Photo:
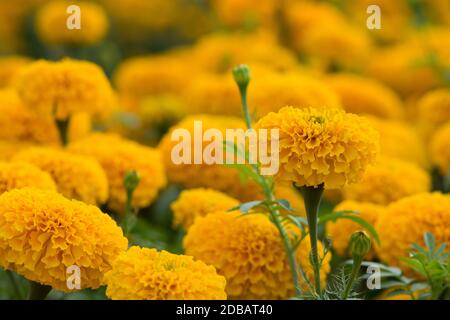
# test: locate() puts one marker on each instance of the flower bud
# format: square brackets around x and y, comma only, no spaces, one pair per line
[241,74]
[131,181]
[359,244]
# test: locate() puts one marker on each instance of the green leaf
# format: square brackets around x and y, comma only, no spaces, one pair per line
[429,241]
[285,204]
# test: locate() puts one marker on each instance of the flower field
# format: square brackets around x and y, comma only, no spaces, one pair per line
[225,149]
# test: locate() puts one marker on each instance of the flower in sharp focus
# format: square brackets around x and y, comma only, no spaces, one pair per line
[52,18]
[440,148]
[60,89]
[322,146]
[389,180]
[404,223]
[17,175]
[77,177]
[193,203]
[42,233]
[340,231]
[117,156]
[148,274]
[248,252]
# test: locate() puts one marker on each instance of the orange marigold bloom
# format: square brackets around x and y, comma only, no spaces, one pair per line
[248,251]
[42,234]
[148,274]
[17,175]
[322,146]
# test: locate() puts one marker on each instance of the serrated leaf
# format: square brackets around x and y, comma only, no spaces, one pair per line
[247,206]
[285,204]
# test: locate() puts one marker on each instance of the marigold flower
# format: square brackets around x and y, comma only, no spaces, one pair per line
[248,251]
[20,123]
[213,94]
[404,223]
[8,148]
[433,110]
[137,78]
[77,177]
[117,156]
[273,91]
[366,96]
[148,274]
[215,176]
[199,202]
[42,233]
[51,23]
[221,52]
[324,145]
[395,134]
[340,231]
[237,13]
[9,66]
[389,180]
[440,148]
[63,88]
[17,175]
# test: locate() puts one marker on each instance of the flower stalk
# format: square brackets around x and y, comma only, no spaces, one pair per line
[63,129]
[130,182]
[242,77]
[359,247]
[312,197]
[38,291]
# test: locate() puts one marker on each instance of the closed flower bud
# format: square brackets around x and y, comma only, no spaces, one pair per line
[241,74]
[359,244]
[131,181]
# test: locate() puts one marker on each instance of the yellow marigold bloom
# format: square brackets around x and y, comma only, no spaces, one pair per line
[9,66]
[389,180]
[340,231]
[51,23]
[161,110]
[8,148]
[237,13]
[139,77]
[407,67]
[42,233]
[77,177]
[404,223]
[433,110]
[148,274]
[273,91]
[440,148]
[248,252]
[17,175]
[215,176]
[199,202]
[213,94]
[117,156]
[64,88]
[221,52]
[366,96]
[321,31]
[396,134]
[18,122]
[322,146]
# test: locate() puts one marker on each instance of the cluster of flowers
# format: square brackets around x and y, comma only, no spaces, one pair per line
[364,114]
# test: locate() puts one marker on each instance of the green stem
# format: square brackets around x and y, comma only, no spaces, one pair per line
[355,270]
[38,291]
[312,197]
[275,214]
[63,129]
[13,281]
[248,119]
[128,213]
[276,218]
